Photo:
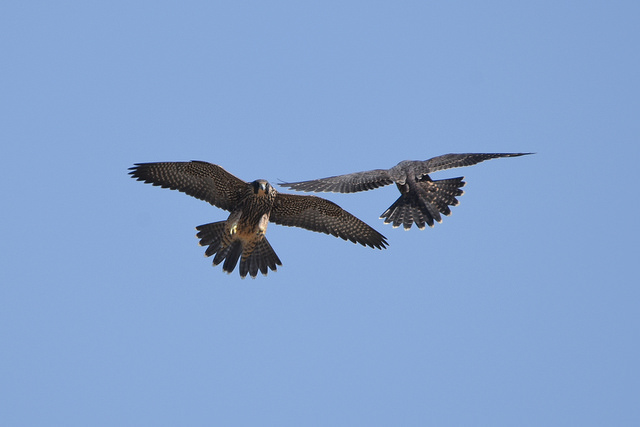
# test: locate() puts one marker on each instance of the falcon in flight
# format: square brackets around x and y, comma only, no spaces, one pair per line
[421,200]
[252,206]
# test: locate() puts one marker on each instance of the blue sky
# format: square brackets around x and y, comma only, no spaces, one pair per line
[521,308]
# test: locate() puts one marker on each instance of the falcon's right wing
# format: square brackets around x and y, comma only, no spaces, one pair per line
[201,180]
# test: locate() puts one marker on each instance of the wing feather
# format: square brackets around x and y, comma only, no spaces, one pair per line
[449,161]
[349,183]
[202,180]
[323,216]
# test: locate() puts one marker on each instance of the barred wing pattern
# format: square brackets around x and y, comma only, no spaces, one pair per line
[323,216]
[202,180]
[349,183]
[450,161]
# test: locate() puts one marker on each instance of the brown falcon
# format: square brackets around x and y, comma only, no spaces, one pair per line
[422,199]
[252,206]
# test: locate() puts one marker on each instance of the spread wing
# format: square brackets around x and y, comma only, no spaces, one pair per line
[201,180]
[449,161]
[323,216]
[349,183]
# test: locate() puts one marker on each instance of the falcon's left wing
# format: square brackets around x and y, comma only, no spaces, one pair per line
[323,216]
[449,161]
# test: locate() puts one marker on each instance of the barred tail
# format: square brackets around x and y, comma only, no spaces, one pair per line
[425,204]
[260,257]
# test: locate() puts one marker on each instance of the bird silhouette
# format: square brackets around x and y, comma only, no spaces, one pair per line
[422,199]
[252,205]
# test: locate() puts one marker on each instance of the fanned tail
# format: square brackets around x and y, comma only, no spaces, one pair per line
[261,257]
[425,205]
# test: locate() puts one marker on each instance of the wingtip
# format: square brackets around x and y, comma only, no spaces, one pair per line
[282,183]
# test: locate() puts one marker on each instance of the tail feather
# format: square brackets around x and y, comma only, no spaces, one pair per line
[443,193]
[211,235]
[405,211]
[231,257]
[425,204]
[261,257]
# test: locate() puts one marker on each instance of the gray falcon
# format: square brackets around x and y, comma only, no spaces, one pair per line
[252,206]
[422,199]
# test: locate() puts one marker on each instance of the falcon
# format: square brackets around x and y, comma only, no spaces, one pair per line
[252,205]
[421,200]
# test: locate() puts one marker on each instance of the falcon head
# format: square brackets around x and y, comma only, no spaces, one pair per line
[261,187]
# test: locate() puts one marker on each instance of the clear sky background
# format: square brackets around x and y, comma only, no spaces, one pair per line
[521,308]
